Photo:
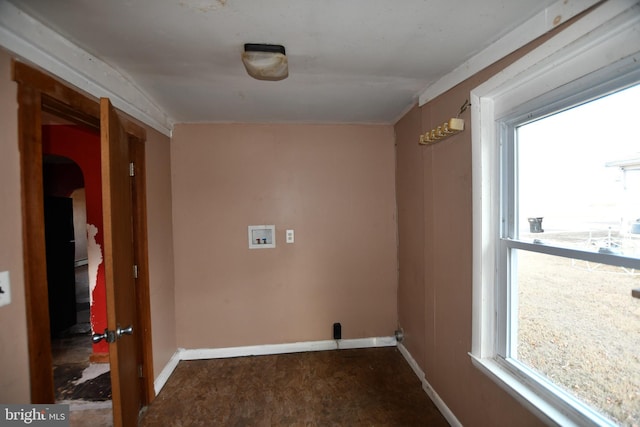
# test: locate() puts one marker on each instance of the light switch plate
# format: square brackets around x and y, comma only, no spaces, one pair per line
[5,288]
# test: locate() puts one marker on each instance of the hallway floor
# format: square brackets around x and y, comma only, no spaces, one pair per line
[75,378]
[85,386]
[360,387]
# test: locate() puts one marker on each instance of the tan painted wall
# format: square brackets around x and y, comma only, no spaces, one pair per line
[160,241]
[441,295]
[334,185]
[14,367]
[14,378]
[411,234]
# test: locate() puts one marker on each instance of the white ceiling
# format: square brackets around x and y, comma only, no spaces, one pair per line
[350,61]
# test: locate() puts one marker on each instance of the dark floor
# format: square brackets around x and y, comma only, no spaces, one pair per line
[74,377]
[339,388]
[85,386]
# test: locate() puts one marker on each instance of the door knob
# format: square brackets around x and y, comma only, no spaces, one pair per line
[96,338]
[107,335]
[112,336]
[126,331]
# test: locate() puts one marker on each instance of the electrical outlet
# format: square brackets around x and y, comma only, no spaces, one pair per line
[337,331]
[5,288]
[290,236]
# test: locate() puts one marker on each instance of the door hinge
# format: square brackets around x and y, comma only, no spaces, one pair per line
[132,169]
[140,375]
[135,271]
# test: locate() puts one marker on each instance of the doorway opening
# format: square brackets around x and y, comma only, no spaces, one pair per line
[72,258]
[41,96]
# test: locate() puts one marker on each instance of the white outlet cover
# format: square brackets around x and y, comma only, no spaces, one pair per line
[5,288]
[290,236]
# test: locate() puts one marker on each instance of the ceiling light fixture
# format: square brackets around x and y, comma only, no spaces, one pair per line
[265,61]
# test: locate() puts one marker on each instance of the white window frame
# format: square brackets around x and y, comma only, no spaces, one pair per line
[556,71]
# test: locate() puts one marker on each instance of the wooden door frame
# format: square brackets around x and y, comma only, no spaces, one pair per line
[39,92]
[143,296]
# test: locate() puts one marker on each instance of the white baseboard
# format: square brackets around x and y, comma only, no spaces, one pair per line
[262,350]
[367,343]
[442,407]
[296,347]
[411,361]
[166,372]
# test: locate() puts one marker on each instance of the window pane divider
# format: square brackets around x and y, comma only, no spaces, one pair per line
[609,259]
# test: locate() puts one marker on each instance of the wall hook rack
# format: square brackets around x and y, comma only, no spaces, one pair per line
[453,126]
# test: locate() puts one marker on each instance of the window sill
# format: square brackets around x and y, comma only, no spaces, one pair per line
[544,403]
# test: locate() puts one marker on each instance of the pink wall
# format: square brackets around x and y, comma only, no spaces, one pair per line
[14,376]
[411,235]
[83,147]
[334,185]
[160,247]
[435,302]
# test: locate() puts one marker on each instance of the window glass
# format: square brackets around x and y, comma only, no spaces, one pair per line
[577,185]
[578,325]
[579,175]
